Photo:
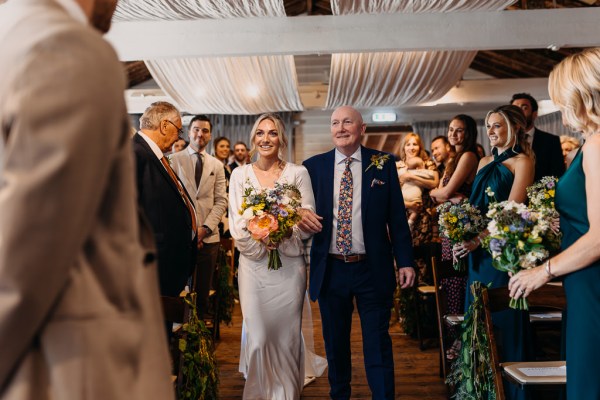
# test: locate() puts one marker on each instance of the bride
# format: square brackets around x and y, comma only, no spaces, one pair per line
[274,357]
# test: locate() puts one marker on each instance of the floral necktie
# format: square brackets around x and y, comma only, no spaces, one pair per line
[343,239]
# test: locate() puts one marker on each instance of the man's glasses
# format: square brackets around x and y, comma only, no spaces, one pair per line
[179,130]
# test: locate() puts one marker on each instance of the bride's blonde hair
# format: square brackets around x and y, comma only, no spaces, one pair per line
[279,126]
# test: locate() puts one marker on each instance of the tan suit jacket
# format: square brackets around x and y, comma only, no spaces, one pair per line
[211,196]
[79,307]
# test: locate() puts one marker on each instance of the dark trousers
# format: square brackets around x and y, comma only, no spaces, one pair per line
[206,261]
[343,283]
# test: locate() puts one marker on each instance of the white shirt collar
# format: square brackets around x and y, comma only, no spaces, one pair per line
[339,157]
[531,131]
[155,149]
[74,10]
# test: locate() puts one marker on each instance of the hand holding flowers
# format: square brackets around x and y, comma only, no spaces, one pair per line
[521,236]
[270,216]
[459,223]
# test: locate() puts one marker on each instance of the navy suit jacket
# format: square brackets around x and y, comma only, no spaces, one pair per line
[169,217]
[385,228]
[548,155]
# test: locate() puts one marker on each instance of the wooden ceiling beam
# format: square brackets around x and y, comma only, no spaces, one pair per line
[319,34]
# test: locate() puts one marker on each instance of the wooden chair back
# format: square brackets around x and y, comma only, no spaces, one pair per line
[497,300]
[442,270]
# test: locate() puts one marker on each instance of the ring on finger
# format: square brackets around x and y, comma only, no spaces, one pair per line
[523,291]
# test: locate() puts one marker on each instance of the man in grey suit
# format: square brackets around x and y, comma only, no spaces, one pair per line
[79,308]
[204,178]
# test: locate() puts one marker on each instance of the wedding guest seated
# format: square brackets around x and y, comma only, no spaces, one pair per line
[568,144]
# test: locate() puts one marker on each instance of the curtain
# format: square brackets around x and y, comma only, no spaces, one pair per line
[399,78]
[227,85]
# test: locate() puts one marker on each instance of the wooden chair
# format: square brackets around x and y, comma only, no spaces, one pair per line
[177,311]
[425,292]
[497,300]
[442,270]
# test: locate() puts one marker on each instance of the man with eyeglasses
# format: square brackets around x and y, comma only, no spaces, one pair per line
[80,316]
[163,197]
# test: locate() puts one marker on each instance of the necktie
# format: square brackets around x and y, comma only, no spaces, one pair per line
[343,239]
[198,171]
[184,197]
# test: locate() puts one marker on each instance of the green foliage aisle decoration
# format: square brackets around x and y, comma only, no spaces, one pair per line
[200,375]
[472,374]
[224,288]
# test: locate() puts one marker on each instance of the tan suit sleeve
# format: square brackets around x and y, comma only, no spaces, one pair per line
[219,206]
[55,171]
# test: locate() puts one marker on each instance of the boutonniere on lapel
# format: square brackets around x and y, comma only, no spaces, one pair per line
[377,161]
[168,158]
[377,182]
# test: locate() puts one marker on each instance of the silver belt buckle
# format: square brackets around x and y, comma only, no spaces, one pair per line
[346,260]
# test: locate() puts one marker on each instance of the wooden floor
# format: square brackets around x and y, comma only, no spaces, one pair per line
[416,371]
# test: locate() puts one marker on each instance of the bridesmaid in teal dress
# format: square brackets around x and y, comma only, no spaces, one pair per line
[507,172]
[574,86]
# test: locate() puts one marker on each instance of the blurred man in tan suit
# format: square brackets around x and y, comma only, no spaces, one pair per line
[79,306]
[204,179]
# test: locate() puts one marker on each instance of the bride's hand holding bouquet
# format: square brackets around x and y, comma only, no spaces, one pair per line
[271,215]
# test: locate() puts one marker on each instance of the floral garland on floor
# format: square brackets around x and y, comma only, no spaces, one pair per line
[200,375]
[472,376]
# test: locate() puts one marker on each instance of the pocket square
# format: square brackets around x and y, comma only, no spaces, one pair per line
[377,182]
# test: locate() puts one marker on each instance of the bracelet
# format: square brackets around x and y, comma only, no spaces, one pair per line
[548,270]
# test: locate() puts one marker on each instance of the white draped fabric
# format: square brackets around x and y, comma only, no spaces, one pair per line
[394,79]
[340,7]
[149,10]
[399,78]
[230,85]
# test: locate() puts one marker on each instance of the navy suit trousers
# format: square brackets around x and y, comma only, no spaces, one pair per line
[343,283]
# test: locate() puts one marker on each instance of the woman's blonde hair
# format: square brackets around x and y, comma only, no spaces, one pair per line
[574,86]
[279,126]
[515,124]
[405,138]
[571,140]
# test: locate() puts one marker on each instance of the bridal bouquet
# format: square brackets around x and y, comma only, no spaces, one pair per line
[520,237]
[460,222]
[270,215]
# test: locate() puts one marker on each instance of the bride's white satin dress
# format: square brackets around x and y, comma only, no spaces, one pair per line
[274,356]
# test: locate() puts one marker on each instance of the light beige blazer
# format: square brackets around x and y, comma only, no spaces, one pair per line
[211,196]
[79,305]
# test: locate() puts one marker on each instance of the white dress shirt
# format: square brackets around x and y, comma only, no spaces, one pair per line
[358,241]
[74,10]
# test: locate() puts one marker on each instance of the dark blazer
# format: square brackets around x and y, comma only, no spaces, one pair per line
[385,228]
[169,217]
[548,155]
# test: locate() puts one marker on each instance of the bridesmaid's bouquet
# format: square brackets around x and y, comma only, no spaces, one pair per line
[520,237]
[270,216]
[459,222]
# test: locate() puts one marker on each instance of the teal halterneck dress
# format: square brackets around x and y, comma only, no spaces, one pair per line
[512,325]
[582,289]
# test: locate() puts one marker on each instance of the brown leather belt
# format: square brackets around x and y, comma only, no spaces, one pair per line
[350,258]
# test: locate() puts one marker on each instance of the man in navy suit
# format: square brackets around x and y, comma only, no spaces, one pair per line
[163,197]
[360,227]
[545,146]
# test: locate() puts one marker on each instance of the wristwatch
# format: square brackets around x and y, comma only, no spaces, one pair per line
[208,230]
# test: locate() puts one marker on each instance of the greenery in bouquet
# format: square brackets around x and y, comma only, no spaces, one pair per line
[520,238]
[460,222]
[270,215]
